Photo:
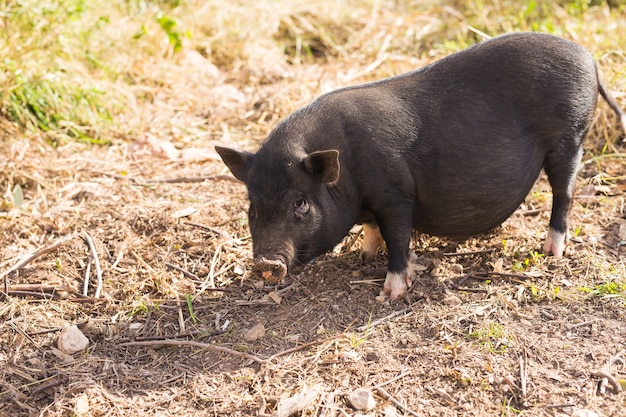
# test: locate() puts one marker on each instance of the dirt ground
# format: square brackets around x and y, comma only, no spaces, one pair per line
[179,327]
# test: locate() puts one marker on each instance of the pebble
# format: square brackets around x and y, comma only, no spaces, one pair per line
[452,300]
[390,411]
[362,399]
[255,333]
[72,340]
[582,412]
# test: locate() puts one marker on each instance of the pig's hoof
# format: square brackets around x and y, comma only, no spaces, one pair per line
[396,284]
[272,271]
[367,256]
[555,243]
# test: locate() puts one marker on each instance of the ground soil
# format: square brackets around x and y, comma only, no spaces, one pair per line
[180,327]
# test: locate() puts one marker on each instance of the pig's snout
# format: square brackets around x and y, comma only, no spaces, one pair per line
[271,270]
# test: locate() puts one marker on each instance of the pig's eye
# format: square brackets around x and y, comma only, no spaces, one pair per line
[301,207]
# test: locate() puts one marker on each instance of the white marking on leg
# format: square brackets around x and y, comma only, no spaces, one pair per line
[555,243]
[372,241]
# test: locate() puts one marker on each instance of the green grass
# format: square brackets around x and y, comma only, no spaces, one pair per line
[493,337]
[79,70]
[609,289]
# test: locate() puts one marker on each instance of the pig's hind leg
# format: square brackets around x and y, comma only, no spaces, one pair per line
[561,170]
[372,242]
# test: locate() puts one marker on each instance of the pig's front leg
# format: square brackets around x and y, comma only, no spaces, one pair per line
[396,230]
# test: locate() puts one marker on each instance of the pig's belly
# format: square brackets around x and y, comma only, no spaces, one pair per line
[460,224]
[446,211]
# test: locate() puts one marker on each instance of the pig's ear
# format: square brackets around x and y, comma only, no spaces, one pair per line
[324,165]
[236,161]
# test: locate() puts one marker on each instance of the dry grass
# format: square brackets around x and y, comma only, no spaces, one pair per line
[490,326]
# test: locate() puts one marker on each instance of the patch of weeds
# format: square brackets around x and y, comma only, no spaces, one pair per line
[57,264]
[170,26]
[610,289]
[190,308]
[139,308]
[493,337]
[507,408]
[523,264]
[242,348]
[58,106]
[355,341]
[540,293]
[458,376]
[525,257]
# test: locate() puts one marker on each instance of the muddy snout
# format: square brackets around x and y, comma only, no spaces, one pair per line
[271,270]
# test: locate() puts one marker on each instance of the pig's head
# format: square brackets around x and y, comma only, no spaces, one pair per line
[293,214]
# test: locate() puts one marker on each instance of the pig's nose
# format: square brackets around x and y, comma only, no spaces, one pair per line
[271,270]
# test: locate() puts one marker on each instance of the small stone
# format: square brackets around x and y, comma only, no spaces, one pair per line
[498,266]
[362,399]
[82,405]
[72,340]
[390,411]
[135,326]
[290,406]
[582,412]
[255,333]
[456,268]
[452,300]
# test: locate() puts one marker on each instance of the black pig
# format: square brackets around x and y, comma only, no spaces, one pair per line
[451,149]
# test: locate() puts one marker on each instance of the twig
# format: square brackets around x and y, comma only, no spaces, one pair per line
[96,262]
[560,405]
[40,288]
[462,279]
[213,230]
[26,259]
[373,281]
[167,180]
[379,321]
[141,261]
[87,274]
[42,295]
[387,396]
[523,370]
[611,380]
[181,180]
[57,380]
[583,324]
[469,289]
[394,379]
[476,252]
[190,333]
[486,274]
[209,282]
[266,298]
[184,272]
[194,277]
[81,300]
[44,331]
[195,344]
[304,346]
[18,329]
